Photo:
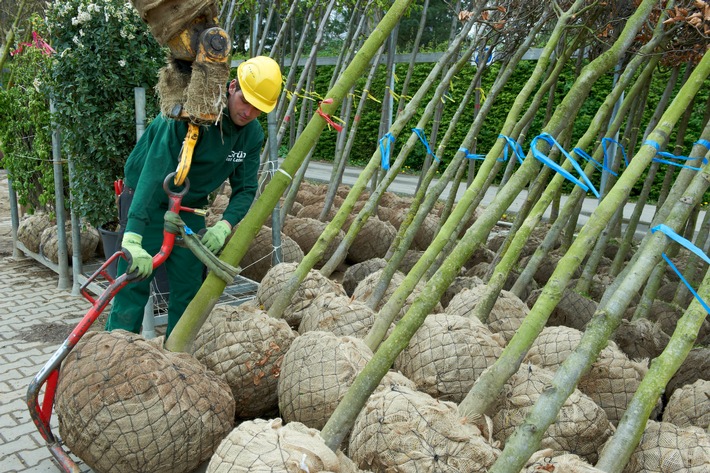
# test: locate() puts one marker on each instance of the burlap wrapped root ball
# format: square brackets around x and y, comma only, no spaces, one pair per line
[257,260]
[372,241]
[316,372]
[307,231]
[573,310]
[404,430]
[640,338]
[447,354]
[338,314]
[29,232]
[667,448]
[245,347]
[357,272]
[49,244]
[696,366]
[312,286]
[545,461]
[689,405]
[125,404]
[612,380]
[581,426]
[269,445]
[505,317]
[367,286]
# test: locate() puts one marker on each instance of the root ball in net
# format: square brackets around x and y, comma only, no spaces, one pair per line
[667,448]
[337,314]
[125,404]
[545,461]
[404,430]
[271,446]
[640,338]
[257,260]
[245,347]
[316,372]
[581,426]
[689,405]
[447,354]
[372,241]
[357,272]
[49,244]
[306,231]
[29,232]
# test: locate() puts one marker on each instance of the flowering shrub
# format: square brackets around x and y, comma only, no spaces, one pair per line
[104,50]
[25,135]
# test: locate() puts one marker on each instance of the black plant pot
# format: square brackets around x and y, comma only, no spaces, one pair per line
[111,244]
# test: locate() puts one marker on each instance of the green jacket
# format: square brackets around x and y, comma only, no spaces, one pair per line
[224,151]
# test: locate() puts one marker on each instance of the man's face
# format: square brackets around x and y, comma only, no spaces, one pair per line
[240,111]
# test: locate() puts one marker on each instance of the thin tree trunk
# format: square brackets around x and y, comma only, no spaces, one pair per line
[282,31]
[413,62]
[10,37]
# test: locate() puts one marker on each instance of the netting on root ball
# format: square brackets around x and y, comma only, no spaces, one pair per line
[404,430]
[312,286]
[372,241]
[545,461]
[640,338]
[49,242]
[307,231]
[581,426]
[447,354]
[611,381]
[357,272]
[505,317]
[689,405]
[29,232]
[257,260]
[316,372]
[125,404]
[271,446]
[696,366]
[245,347]
[337,314]
[667,448]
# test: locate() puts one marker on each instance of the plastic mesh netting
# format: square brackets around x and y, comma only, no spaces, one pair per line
[357,272]
[581,426]
[447,354]
[257,260]
[306,232]
[667,448]
[689,405]
[366,287]
[125,404]
[372,241]
[338,314]
[404,430]
[245,347]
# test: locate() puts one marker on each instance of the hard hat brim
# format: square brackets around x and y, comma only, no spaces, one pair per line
[253,98]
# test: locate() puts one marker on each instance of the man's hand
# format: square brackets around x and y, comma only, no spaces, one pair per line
[215,236]
[138,259]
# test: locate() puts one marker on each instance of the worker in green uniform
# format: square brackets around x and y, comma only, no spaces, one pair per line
[229,150]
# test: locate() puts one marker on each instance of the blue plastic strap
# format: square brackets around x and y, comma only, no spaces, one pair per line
[703,142]
[586,185]
[470,155]
[515,146]
[188,230]
[687,244]
[672,156]
[606,153]
[385,150]
[420,133]
[583,154]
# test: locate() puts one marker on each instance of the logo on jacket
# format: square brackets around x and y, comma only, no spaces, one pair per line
[236,157]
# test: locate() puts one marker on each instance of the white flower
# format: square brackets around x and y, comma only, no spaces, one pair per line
[75,40]
[37,83]
[122,63]
[81,32]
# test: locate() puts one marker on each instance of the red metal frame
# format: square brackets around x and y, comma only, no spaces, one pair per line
[49,374]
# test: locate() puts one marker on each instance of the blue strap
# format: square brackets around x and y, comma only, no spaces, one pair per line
[687,244]
[385,149]
[583,154]
[420,133]
[672,156]
[470,155]
[703,142]
[515,146]
[606,153]
[188,230]
[586,185]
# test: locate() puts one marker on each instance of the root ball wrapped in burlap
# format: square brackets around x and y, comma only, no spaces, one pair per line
[372,241]
[689,405]
[667,448]
[257,260]
[366,287]
[245,347]
[573,310]
[49,245]
[337,314]
[357,272]
[545,461]
[312,286]
[29,232]
[459,284]
[581,426]
[125,404]
[505,317]
[316,372]
[404,430]
[269,445]
[306,231]
[696,366]
[640,338]
[447,354]
[611,381]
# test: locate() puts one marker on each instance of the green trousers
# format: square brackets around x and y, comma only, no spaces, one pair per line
[184,276]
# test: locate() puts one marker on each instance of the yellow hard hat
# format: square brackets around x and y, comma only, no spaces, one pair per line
[260,80]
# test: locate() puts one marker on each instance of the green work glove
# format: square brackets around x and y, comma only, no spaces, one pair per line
[139,260]
[215,236]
